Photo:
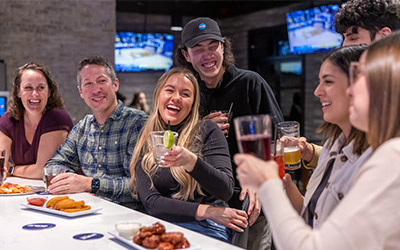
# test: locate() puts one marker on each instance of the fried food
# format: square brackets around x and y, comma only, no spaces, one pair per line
[151,242]
[155,236]
[65,204]
[68,203]
[183,244]
[137,239]
[172,237]
[54,200]
[73,210]
[165,246]
[158,228]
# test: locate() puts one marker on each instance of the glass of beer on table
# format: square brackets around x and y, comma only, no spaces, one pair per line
[292,154]
[253,134]
[51,171]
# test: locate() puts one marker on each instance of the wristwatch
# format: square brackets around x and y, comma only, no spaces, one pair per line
[95,185]
[10,170]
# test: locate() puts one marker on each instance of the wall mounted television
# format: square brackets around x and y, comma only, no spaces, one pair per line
[3,101]
[313,30]
[135,52]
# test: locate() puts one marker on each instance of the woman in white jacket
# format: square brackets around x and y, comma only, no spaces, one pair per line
[368,217]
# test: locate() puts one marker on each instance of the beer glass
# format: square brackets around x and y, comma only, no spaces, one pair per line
[253,134]
[292,154]
[157,144]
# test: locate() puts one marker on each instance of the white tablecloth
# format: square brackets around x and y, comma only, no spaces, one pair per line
[13,217]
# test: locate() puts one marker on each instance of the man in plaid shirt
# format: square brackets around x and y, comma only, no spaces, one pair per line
[100,146]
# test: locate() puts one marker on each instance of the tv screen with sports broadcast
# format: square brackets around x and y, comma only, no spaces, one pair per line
[313,30]
[135,52]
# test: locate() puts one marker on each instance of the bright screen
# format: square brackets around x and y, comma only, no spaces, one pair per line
[313,30]
[3,101]
[143,51]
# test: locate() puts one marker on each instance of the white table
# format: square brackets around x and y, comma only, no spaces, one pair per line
[13,217]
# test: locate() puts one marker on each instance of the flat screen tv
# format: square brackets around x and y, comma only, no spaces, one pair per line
[313,30]
[135,52]
[3,101]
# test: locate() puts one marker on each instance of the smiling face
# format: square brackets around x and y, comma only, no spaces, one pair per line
[331,91]
[34,91]
[359,99]
[206,58]
[175,99]
[97,90]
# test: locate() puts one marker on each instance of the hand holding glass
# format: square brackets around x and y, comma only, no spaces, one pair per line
[253,134]
[51,171]
[291,152]
[157,144]
[227,114]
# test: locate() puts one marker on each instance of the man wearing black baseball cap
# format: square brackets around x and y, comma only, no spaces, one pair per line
[223,86]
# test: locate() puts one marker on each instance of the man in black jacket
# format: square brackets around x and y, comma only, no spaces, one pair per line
[222,86]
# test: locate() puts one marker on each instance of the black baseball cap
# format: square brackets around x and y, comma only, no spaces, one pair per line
[200,29]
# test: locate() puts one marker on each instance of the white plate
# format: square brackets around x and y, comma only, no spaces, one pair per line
[136,246]
[53,211]
[34,191]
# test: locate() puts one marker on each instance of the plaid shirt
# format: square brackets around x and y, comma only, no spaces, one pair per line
[104,152]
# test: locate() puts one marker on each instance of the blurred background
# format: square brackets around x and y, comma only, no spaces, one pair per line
[283,41]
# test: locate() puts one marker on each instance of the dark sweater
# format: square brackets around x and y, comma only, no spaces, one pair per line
[212,171]
[250,95]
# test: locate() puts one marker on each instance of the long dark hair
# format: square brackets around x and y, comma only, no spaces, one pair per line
[342,57]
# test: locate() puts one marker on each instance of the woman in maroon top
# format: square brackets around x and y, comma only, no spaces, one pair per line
[35,124]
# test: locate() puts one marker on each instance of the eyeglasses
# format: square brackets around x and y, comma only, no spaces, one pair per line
[355,70]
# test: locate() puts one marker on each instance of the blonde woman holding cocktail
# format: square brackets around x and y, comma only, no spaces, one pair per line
[196,180]
[345,148]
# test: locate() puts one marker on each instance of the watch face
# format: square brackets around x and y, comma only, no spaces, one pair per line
[95,184]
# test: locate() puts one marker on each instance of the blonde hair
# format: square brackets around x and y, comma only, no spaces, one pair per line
[382,71]
[188,138]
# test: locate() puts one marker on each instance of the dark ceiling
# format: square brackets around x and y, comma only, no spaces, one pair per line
[214,9]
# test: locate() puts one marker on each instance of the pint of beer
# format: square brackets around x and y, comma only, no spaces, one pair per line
[291,152]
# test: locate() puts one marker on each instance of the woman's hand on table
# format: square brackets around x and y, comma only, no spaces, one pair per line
[69,183]
[226,216]
[180,156]
[254,204]
[252,172]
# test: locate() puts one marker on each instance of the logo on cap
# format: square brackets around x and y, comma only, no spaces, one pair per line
[202,26]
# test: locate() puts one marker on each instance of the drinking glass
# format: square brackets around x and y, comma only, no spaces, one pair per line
[253,134]
[279,158]
[157,144]
[52,171]
[2,166]
[228,115]
[292,154]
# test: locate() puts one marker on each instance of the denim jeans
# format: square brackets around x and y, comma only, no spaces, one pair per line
[206,227]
